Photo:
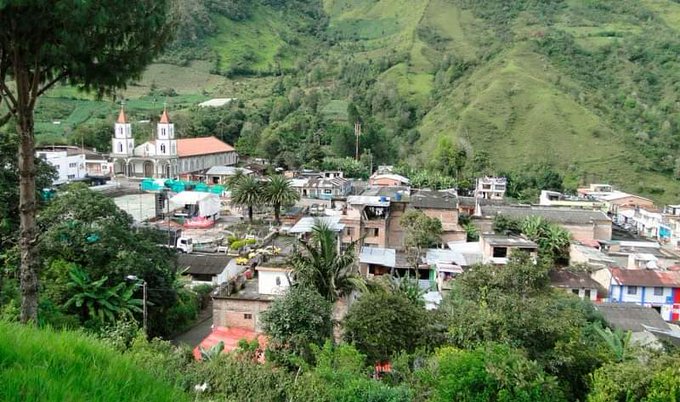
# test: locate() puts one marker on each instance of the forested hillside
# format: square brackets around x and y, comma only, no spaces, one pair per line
[586,88]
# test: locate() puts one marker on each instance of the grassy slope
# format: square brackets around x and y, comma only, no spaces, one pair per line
[44,365]
[512,108]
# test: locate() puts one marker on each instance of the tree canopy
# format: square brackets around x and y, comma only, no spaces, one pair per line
[83,44]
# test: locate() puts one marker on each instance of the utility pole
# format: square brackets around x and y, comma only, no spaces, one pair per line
[357,133]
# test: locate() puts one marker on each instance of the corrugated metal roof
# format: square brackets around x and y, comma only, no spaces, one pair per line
[644,277]
[373,201]
[227,170]
[630,317]
[195,264]
[306,224]
[379,256]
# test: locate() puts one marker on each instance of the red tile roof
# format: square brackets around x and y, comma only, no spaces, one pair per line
[643,277]
[165,119]
[121,117]
[230,337]
[201,146]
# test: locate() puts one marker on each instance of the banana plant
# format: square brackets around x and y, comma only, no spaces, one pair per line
[97,300]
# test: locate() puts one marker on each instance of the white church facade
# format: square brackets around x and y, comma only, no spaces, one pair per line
[166,156]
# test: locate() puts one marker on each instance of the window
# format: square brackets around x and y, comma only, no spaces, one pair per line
[372,232]
[500,252]
[587,294]
[120,147]
[162,148]
[71,176]
[247,316]
[348,231]
[72,165]
[327,191]
[658,291]
[632,290]
[162,132]
[278,281]
[575,291]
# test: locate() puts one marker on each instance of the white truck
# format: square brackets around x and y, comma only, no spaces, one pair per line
[174,239]
[171,238]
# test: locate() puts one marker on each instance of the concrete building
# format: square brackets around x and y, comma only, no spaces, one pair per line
[442,205]
[96,165]
[322,188]
[577,283]
[242,308]
[581,224]
[388,179]
[491,188]
[497,249]
[557,199]
[650,288]
[614,200]
[221,174]
[69,166]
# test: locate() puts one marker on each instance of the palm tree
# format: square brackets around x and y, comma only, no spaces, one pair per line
[279,192]
[323,267]
[235,179]
[247,193]
[96,300]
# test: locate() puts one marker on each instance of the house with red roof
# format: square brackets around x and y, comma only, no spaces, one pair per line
[651,288]
[166,156]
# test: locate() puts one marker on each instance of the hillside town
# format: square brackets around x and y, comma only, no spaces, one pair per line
[623,251]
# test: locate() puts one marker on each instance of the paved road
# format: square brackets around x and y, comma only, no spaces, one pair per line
[195,335]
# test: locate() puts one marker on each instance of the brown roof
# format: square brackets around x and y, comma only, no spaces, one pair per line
[201,146]
[165,119]
[121,117]
[643,277]
[572,280]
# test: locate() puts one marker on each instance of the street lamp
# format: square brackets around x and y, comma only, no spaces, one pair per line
[134,278]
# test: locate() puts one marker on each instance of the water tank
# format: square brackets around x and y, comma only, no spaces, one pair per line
[397,196]
[383,198]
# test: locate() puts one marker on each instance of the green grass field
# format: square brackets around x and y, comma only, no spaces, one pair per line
[46,365]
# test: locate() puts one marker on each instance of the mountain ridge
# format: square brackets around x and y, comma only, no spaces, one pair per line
[587,87]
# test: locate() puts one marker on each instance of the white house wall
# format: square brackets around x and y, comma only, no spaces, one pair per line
[68,167]
[267,282]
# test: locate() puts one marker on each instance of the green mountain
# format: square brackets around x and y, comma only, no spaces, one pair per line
[590,87]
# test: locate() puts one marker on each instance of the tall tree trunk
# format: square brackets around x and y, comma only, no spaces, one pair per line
[277,213]
[27,201]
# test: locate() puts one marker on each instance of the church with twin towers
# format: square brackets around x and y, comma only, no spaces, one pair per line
[166,156]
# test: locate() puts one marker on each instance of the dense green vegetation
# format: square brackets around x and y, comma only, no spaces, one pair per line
[502,334]
[87,248]
[454,88]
